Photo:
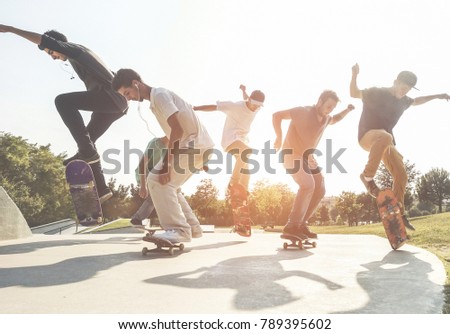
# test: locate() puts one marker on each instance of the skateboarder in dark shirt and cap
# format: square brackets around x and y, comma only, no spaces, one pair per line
[105,104]
[382,109]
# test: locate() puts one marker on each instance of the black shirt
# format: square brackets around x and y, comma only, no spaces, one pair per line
[88,66]
[381,110]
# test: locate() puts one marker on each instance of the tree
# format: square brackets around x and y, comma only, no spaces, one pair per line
[384,180]
[434,187]
[348,208]
[34,179]
[369,210]
[323,215]
[118,205]
[270,203]
[205,201]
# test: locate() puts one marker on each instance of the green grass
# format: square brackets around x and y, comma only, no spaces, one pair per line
[120,223]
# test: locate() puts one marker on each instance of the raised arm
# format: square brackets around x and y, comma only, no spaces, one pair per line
[276,122]
[355,92]
[338,117]
[207,107]
[424,99]
[29,35]
[245,96]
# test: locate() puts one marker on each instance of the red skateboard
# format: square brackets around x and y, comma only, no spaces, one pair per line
[241,214]
[392,218]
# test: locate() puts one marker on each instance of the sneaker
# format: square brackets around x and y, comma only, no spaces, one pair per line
[293,229]
[304,229]
[371,187]
[175,236]
[196,231]
[104,195]
[407,224]
[75,157]
[136,222]
[91,158]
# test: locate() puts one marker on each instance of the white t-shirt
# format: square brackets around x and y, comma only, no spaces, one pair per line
[164,103]
[238,122]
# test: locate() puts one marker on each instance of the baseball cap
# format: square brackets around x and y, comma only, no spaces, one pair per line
[408,78]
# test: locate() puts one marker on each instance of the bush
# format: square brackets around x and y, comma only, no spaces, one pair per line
[414,212]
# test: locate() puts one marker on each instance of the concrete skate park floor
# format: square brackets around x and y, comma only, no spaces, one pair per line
[216,274]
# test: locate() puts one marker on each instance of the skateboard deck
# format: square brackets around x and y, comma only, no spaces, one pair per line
[161,245]
[82,188]
[149,230]
[297,242]
[392,219]
[241,214]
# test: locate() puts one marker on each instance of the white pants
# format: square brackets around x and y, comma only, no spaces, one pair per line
[166,198]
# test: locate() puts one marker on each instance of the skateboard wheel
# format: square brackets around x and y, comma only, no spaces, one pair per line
[300,245]
[285,245]
[181,247]
[144,251]
[171,251]
[314,244]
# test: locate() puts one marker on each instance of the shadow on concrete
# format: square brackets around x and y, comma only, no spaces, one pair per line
[28,247]
[385,281]
[254,278]
[64,272]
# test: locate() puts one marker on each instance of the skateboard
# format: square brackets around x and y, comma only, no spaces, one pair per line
[82,187]
[149,230]
[241,214]
[392,219]
[297,242]
[161,244]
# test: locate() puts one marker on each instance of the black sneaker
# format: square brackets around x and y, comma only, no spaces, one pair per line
[136,222]
[75,157]
[408,224]
[304,229]
[91,158]
[294,229]
[290,228]
[371,187]
[104,195]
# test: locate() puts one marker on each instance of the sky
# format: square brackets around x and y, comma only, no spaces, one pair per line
[203,50]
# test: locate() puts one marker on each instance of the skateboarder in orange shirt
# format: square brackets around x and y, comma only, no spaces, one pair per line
[305,130]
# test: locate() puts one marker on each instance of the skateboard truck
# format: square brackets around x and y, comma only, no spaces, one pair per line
[297,242]
[161,245]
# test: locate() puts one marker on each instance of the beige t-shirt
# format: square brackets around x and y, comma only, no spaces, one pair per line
[165,103]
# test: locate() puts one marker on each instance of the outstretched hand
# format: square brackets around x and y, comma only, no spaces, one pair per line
[355,69]
[350,107]
[444,96]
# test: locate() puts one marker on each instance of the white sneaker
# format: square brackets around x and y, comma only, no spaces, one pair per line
[197,231]
[175,236]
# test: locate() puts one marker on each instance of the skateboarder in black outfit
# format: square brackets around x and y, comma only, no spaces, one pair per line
[105,104]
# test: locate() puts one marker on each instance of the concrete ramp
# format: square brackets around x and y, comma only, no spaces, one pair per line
[12,223]
[220,273]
